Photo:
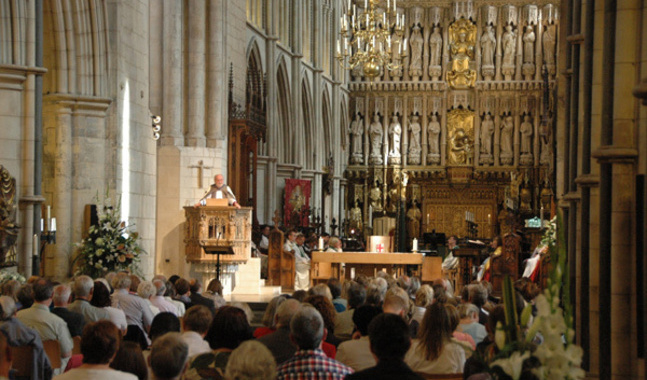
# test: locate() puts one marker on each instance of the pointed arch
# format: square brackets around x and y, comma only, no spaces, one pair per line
[284,130]
[308,124]
[254,55]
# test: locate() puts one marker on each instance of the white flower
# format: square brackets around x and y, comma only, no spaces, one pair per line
[513,365]
[99,242]
[99,252]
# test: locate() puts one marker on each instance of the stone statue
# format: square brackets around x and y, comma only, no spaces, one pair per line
[487,130]
[375,195]
[415,68]
[526,135]
[433,135]
[395,135]
[461,42]
[414,128]
[396,50]
[414,216]
[548,42]
[509,39]
[376,133]
[529,45]
[356,217]
[507,128]
[356,131]
[488,44]
[435,47]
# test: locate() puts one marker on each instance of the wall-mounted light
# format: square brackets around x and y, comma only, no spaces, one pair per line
[156,126]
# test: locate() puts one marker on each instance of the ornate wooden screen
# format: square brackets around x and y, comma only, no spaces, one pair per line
[246,127]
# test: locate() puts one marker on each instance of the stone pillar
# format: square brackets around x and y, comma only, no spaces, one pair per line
[216,73]
[196,70]
[172,68]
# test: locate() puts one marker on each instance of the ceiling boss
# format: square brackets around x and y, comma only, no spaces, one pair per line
[367,41]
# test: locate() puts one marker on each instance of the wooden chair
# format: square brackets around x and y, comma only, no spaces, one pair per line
[76,350]
[445,376]
[53,351]
[23,358]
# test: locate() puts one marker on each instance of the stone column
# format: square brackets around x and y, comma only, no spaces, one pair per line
[196,70]
[172,68]
[216,95]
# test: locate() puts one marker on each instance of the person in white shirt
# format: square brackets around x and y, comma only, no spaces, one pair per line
[158,299]
[146,290]
[195,325]
[264,244]
[450,262]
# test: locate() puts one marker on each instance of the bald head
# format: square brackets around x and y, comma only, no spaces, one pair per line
[219,180]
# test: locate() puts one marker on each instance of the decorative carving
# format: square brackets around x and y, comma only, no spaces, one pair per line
[414,216]
[433,137]
[548,45]
[460,137]
[8,226]
[509,41]
[376,134]
[395,135]
[356,217]
[488,44]
[414,141]
[529,51]
[357,134]
[487,131]
[416,41]
[375,196]
[526,130]
[435,53]
[462,38]
[507,128]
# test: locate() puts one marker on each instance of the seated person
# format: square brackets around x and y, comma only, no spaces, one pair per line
[496,247]
[450,262]
[389,342]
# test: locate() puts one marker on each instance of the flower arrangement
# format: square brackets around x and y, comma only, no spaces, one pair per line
[8,274]
[557,356]
[110,245]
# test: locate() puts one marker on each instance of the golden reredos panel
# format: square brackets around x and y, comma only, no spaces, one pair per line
[462,40]
[460,137]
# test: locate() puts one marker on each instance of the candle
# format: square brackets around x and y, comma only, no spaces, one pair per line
[49,217]
[321,244]
[427,219]
[415,245]
[541,217]
[42,225]
[54,224]
[352,273]
[489,219]
[34,248]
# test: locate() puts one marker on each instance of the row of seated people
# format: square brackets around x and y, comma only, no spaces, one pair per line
[330,331]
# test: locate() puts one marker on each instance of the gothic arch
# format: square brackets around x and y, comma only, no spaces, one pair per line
[308,124]
[284,123]
[75,47]
[254,55]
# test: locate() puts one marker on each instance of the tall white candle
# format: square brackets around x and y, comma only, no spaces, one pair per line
[321,244]
[49,216]
[54,224]
[415,245]
[34,248]
[42,224]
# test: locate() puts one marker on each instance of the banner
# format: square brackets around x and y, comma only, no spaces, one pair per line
[296,202]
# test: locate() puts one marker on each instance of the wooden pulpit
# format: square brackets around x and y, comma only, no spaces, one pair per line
[212,231]
[280,264]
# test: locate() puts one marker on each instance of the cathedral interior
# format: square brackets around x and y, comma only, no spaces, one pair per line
[494,112]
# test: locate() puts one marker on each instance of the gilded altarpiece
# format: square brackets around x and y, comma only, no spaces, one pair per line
[471,114]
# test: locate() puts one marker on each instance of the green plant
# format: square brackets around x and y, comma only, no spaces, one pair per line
[111,245]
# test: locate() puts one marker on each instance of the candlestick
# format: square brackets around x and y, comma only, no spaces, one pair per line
[415,245]
[53,224]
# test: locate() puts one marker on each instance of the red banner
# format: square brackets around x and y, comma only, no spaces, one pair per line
[296,202]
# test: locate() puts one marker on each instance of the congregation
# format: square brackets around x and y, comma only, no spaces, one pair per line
[123,326]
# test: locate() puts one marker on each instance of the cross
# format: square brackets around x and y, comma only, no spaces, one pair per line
[200,166]
[379,248]
[276,219]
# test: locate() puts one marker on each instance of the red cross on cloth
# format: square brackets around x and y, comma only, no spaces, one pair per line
[379,248]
